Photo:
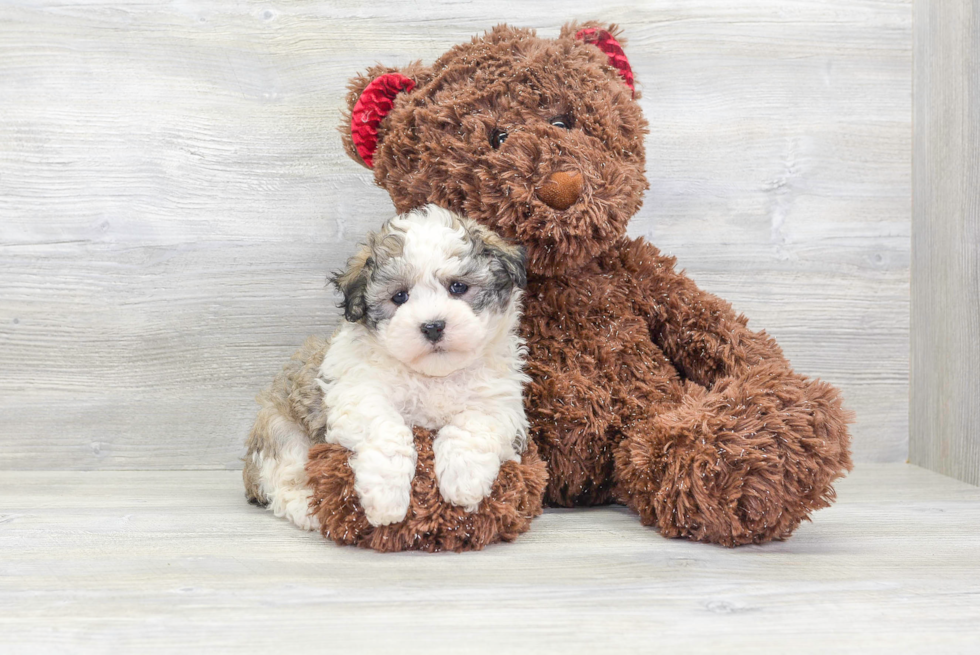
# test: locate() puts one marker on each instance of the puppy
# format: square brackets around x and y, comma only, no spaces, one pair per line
[432,304]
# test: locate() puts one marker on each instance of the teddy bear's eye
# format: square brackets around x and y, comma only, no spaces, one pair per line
[497,137]
[564,122]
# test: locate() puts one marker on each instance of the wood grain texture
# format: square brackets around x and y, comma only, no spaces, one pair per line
[152,562]
[945,412]
[173,193]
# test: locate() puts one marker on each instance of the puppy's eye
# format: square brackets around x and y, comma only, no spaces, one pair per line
[497,137]
[458,288]
[400,298]
[565,122]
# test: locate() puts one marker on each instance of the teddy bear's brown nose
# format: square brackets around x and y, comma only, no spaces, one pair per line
[561,189]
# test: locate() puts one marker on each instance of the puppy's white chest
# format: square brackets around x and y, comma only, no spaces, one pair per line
[431,403]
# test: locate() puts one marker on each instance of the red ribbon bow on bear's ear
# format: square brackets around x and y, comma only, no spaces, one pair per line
[371,107]
[603,40]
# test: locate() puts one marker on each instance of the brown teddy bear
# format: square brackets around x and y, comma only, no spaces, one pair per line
[645,390]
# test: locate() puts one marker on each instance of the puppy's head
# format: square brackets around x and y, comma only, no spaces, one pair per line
[434,289]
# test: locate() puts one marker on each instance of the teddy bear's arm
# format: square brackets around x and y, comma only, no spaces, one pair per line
[699,332]
[752,448]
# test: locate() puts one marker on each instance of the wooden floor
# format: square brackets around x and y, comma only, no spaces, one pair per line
[177,561]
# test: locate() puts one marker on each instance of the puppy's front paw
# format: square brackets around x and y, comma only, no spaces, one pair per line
[385,508]
[465,474]
[383,485]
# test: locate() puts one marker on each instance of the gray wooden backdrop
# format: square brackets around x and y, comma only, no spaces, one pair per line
[945,429]
[173,193]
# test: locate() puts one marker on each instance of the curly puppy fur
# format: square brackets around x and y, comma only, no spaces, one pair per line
[291,417]
[645,390]
[432,303]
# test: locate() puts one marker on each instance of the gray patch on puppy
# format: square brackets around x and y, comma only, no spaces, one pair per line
[503,267]
[377,271]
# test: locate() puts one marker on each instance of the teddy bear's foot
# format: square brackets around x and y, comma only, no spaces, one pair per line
[744,463]
[431,524]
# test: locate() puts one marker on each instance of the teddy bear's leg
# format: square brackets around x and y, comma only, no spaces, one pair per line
[742,463]
[570,418]
[752,448]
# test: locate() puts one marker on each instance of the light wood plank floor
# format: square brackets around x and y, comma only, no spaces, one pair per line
[176,561]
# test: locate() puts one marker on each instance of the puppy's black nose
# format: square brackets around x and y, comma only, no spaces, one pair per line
[433,330]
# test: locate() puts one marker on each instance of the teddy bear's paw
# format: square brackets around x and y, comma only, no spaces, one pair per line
[465,474]
[738,465]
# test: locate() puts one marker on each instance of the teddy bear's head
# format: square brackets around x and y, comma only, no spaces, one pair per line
[539,139]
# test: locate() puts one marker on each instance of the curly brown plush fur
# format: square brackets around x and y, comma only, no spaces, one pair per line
[645,390]
[432,524]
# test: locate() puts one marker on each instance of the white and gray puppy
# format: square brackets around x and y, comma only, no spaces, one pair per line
[432,304]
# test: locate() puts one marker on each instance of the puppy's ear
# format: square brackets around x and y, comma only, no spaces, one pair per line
[353,284]
[370,98]
[512,258]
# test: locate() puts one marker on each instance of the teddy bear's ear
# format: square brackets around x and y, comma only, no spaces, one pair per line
[370,97]
[608,39]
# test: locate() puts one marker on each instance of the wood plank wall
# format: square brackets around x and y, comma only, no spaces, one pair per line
[173,193]
[945,412]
